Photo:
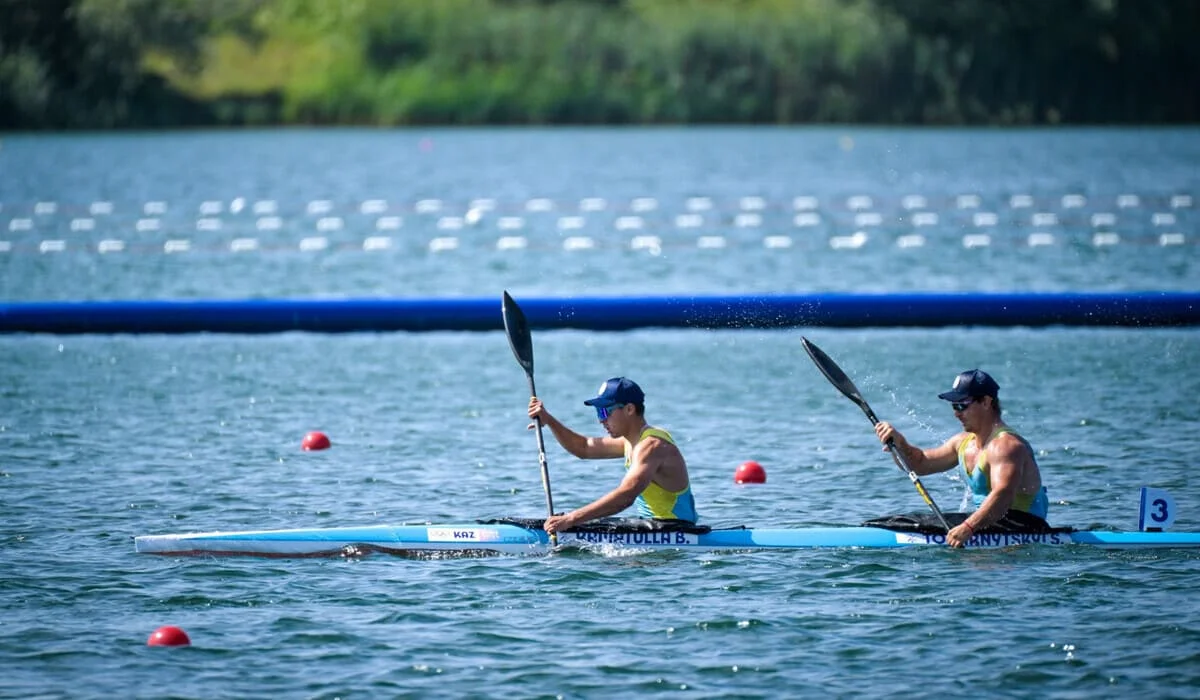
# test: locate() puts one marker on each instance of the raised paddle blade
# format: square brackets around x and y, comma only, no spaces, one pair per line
[838,378]
[520,339]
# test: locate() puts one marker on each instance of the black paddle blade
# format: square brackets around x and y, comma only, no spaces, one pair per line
[832,372]
[519,337]
[837,377]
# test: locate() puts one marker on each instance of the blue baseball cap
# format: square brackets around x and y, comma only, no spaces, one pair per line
[972,384]
[617,390]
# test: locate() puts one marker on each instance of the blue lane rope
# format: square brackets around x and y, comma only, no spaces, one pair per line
[1135,308]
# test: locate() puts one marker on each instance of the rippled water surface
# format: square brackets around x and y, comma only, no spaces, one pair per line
[676,211]
[107,437]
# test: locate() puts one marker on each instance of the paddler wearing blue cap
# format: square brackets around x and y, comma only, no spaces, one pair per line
[656,475]
[1000,468]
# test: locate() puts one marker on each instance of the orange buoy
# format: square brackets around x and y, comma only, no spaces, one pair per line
[750,473]
[168,636]
[316,440]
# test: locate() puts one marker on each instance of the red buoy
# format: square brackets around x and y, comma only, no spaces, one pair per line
[168,636]
[316,440]
[750,473]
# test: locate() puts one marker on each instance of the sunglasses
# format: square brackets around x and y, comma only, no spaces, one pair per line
[962,406]
[603,412]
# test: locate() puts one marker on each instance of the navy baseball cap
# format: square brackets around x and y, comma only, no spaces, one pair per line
[972,384]
[617,390]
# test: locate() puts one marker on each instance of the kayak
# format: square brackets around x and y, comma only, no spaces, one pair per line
[525,536]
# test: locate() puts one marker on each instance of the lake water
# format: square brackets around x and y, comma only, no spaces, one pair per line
[107,437]
[676,211]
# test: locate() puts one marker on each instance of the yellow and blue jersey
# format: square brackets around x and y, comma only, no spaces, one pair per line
[657,502]
[980,482]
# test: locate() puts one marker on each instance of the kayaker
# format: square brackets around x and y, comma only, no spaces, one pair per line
[1000,467]
[656,476]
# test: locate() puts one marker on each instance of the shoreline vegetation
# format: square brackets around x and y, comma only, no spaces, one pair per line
[104,64]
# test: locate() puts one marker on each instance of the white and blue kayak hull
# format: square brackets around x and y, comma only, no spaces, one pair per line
[513,539]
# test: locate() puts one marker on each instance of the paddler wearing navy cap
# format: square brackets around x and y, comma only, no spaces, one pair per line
[998,464]
[656,475]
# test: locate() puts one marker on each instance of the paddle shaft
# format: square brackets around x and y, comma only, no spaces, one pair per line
[541,443]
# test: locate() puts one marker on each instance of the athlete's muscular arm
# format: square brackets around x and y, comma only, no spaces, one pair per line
[922,462]
[641,473]
[579,445]
[1005,455]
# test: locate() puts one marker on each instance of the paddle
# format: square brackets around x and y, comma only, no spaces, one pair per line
[521,341]
[838,378]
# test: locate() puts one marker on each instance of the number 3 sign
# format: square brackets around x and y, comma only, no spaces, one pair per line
[1157,511]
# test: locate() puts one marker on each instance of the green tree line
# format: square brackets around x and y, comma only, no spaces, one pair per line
[164,63]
